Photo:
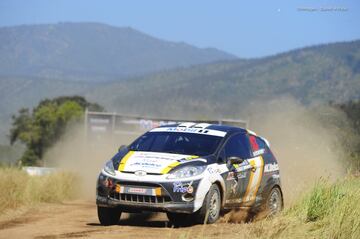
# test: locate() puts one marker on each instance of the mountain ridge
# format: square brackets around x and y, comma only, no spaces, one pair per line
[93,51]
[320,73]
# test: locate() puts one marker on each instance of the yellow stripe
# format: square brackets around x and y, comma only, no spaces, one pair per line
[123,161]
[192,157]
[252,174]
[253,191]
[169,167]
[260,178]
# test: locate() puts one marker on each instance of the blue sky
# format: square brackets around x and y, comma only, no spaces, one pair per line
[244,28]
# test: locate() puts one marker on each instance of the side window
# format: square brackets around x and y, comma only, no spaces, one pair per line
[237,146]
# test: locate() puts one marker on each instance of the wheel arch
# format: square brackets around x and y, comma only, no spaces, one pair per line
[278,186]
[222,191]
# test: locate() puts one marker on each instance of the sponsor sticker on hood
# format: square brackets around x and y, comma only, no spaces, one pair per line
[151,162]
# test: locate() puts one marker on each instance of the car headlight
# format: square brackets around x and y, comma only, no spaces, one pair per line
[109,167]
[187,172]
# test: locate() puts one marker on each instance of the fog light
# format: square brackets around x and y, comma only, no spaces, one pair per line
[187,197]
[117,188]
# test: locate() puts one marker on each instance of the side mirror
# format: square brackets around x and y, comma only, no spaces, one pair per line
[122,147]
[235,160]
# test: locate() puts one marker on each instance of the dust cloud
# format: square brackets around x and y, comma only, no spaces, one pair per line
[305,140]
[85,156]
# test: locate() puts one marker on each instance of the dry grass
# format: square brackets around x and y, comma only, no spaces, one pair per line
[326,211]
[19,189]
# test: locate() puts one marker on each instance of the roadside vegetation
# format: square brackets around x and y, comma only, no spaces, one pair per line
[326,211]
[40,128]
[20,189]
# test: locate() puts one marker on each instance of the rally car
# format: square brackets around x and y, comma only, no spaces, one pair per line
[192,172]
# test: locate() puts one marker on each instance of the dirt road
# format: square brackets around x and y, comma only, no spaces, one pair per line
[78,219]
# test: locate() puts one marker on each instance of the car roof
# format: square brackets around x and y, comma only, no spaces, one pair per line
[229,130]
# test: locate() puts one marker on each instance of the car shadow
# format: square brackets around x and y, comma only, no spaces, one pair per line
[142,220]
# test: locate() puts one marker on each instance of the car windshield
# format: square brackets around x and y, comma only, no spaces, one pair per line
[178,143]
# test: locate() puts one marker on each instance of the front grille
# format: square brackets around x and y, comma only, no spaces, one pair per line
[135,198]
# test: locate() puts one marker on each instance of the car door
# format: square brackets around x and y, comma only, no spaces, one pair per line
[237,178]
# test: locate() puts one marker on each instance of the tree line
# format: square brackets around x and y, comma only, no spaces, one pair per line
[40,128]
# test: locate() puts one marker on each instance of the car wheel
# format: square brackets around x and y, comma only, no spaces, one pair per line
[274,202]
[210,211]
[108,216]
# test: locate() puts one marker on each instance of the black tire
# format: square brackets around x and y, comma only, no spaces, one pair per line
[108,216]
[274,202]
[210,211]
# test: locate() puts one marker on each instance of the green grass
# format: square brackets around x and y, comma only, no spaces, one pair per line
[19,189]
[326,211]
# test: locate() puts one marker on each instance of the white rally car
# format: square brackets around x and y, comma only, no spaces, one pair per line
[191,172]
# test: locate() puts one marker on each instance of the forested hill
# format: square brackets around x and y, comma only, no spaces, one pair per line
[92,52]
[324,73]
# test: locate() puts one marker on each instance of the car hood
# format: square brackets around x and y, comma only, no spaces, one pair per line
[154,162]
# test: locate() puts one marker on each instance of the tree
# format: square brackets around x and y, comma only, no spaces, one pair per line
[47,122]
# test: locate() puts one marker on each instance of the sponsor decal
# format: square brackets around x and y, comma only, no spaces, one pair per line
[182,129]
[151,162]
[235,176]
[145,164]
[213,170]
[180,187]
[258,152]
[245,165]
[271,168]
[140,173]
[254,144]
[235,200]
[241,175]
[190,130]
[137,190]
[192,159]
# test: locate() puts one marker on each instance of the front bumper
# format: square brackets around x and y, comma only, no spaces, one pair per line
[161,196]
[186,207]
